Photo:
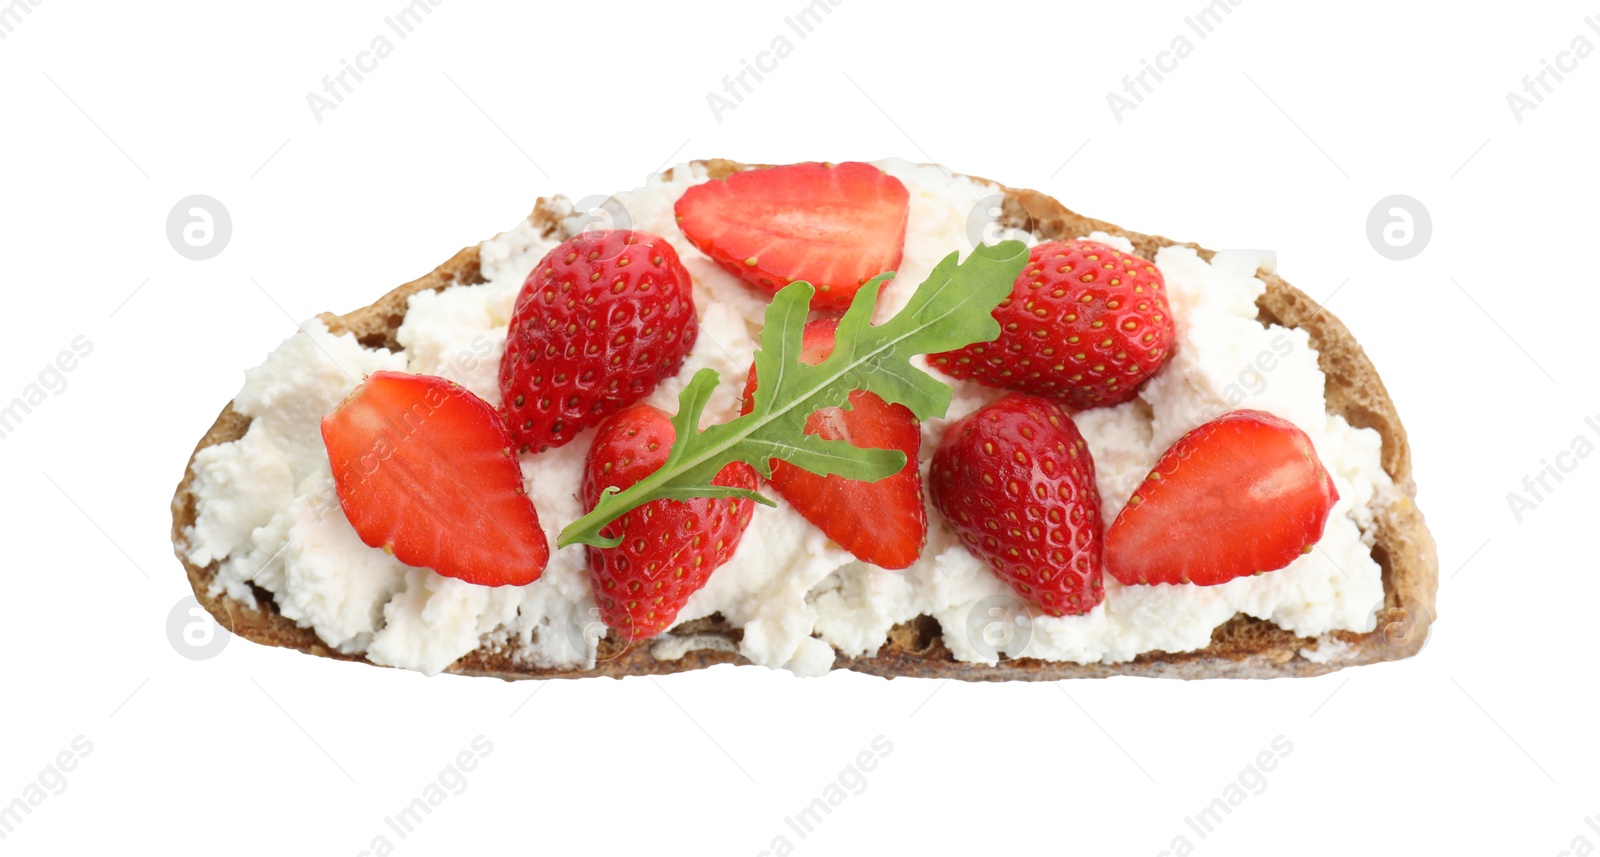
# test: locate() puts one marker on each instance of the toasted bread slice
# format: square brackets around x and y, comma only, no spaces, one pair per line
[1243,647]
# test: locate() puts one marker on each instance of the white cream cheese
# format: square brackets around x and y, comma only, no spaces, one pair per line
[267,512]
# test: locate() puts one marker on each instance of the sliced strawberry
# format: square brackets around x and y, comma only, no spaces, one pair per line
[603,318]
[884,522]
[833,225]
[1242,494]
[425,470]
[1015,480]
[669,547]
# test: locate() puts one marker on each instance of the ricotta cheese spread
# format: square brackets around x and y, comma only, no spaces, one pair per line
[268,515]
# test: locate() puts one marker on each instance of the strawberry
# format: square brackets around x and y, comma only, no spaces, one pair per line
[1016,482]
[1085,323]
[883,522]
[603,318]
[425,470]
[669,547]
[1242,494]
[833,225]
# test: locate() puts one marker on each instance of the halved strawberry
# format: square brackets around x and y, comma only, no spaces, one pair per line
[425,470]
[669,547]
[833,225]
[1242,494]
[884,522]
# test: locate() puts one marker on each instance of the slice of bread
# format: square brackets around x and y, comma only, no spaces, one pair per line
[1243,647]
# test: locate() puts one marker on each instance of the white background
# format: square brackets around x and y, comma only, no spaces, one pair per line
[114,111]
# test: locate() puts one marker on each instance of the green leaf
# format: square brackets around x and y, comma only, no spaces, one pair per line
[951,309]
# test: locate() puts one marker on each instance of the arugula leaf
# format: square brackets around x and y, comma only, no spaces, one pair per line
[951,309]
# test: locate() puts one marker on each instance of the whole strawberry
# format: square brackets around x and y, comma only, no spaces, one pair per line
[1016,482]
[669,547]
[602,319]
[1086,324]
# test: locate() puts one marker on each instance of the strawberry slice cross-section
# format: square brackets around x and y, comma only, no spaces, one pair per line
[427,471]
[884,522]
[834,226]
[1241,495]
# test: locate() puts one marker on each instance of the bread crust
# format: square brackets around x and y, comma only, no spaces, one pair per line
[1243,647]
